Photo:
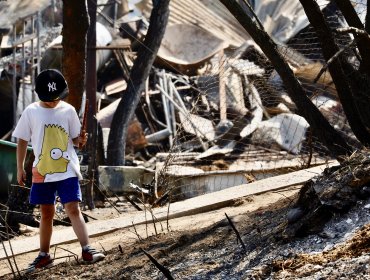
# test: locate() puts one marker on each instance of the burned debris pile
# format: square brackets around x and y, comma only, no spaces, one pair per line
[213,104]
[336,191]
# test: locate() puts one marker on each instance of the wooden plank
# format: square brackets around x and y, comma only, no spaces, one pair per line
[5,42]
[190,206]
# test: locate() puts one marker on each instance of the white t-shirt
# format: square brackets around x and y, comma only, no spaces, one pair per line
[51,131]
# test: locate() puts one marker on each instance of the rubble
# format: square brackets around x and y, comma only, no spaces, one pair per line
[214,115]
[211,91]
[336,191]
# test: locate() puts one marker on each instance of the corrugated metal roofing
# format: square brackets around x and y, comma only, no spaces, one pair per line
[208,14]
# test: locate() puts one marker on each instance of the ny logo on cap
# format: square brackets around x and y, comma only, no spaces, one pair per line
[52,86]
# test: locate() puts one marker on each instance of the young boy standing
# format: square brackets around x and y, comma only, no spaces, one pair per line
[53,127]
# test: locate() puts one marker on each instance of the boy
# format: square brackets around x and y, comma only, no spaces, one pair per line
[53,128]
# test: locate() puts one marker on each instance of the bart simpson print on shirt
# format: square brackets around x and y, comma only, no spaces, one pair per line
[54,157]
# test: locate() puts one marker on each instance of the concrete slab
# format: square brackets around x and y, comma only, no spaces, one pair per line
[190,206]
[118,178]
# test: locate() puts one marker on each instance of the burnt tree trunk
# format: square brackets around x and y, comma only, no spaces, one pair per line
[319,125]
[352,94]
[367,19]
[139,73]
[353,20]
[75,26]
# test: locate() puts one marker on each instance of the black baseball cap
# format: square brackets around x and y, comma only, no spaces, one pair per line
[51,85]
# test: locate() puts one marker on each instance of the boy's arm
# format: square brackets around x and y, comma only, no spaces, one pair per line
[21,156]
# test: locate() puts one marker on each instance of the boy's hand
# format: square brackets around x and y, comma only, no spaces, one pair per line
[82,139]
[21,176]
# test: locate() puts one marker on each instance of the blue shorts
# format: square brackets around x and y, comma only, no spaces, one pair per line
[45,193]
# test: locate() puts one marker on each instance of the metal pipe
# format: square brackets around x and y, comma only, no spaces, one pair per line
[147,99]
[165,109]
[185,113]
[178,97]
[172,109]
[158,136]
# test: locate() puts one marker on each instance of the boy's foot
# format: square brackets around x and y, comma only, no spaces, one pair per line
[91,255]
[41,261]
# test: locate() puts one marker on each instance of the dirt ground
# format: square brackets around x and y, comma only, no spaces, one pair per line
[205,246]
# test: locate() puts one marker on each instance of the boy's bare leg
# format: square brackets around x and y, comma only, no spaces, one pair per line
[78,223]
[46,226]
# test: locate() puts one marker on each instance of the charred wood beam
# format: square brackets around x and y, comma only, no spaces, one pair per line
[350,87]
[319,125]
[133,203]
[163,269]
[325,67]
[236,232]
[160,200]
[92,126]
[138,75]
[355,31]
[367,19]
[88,216]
